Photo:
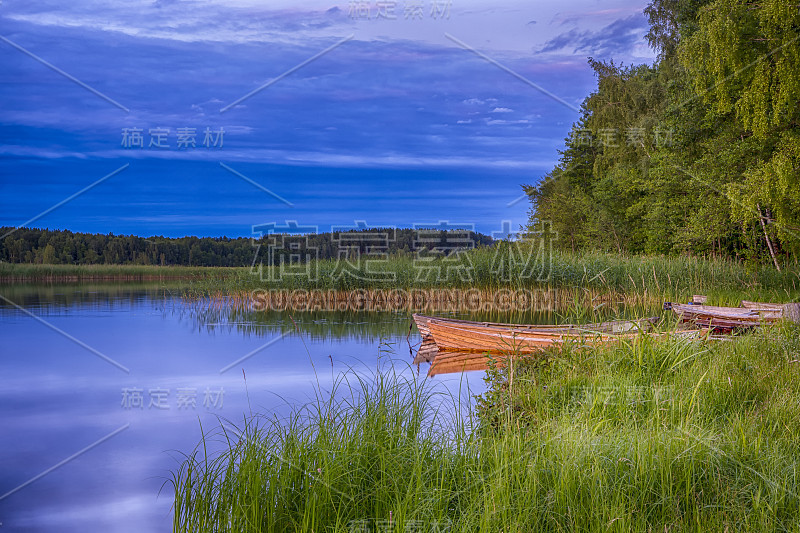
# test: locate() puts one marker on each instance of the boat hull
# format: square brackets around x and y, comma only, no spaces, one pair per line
[728,318]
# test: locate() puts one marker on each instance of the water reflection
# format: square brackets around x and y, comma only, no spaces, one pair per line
[104,440]
[53,298]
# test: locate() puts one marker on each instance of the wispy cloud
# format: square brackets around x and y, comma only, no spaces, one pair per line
[188,22]
[618,38]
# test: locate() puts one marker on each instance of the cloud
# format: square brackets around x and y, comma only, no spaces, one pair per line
[573,17]
[494,122]
[619,37]
[189,21]
[334,107]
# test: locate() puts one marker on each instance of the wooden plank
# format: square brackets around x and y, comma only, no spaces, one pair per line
[608,327]
[447,336]
[732,313]
[760,305]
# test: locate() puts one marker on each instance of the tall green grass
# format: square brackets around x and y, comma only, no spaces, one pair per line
[648,435]
[491,268]
[14,272]
[660,434]
[370,451]
[506,265]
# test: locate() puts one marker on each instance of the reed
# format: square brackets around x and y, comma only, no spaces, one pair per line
[650,277]
[371,451]
[14,273]
[503,266]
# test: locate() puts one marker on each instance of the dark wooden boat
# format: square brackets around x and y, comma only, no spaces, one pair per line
[727,319]
[789,311]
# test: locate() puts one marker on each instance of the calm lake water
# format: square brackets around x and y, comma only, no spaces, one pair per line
[104,387]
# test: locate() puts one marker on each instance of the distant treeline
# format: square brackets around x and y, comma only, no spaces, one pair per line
[45,246]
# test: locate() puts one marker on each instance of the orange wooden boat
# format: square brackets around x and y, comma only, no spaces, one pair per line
[503,340]
[465,335]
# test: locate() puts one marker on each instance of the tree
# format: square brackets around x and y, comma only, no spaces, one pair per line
[745,59]
[49,255]
[725,90]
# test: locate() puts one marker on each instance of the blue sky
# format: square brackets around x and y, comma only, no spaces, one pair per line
[439,114]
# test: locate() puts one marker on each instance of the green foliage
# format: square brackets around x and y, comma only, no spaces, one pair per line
[746,58]
[710,427]
[692,154]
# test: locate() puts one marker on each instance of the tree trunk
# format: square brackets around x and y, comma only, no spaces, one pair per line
[766,236]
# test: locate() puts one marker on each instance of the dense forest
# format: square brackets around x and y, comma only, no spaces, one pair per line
[698,153]
[28,245]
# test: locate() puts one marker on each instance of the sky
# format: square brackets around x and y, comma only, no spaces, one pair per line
[208,118]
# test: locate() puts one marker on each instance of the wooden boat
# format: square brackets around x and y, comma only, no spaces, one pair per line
[727,319]
[789,311]
[464,335]
[496,339]
[452,345]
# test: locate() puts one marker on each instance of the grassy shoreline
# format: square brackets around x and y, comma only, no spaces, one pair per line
[644,436]
[484,268]
[33,273]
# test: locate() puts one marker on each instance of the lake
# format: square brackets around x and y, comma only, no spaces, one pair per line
[105,386]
